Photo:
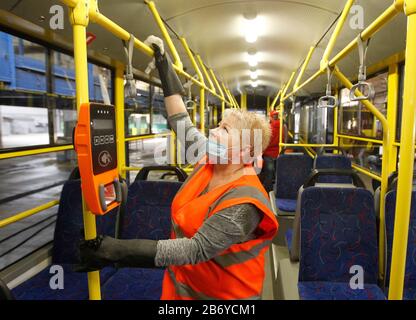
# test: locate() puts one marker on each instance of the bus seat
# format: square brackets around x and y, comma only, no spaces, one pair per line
[338,231]
[147,216]
[69,224]
[409,292]
[293,235]
[333,161]
[68,231]
[291,172]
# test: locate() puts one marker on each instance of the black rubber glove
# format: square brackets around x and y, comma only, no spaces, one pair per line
[171,84]
[106,251]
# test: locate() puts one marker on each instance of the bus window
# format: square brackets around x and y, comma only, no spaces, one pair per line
[159,116]
[23,126]
[30,65]
[355,119]
[137,112]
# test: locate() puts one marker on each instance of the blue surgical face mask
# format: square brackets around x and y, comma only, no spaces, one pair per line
[217,150]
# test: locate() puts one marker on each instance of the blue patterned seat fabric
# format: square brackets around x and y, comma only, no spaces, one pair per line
[75,285]
[338,291]
[292,170]
[338,231]
[147,216]
[287,205]
[69,224]
[333,162]
[410,274]
[148,210]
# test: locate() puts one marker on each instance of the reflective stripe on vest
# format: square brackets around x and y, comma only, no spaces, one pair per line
[233,258]
[238,192]
[185,291]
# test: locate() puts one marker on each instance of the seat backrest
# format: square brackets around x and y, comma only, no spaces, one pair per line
[69,224]
[333,161]
[338,231]
[148,210]
[410,274]
[292,170]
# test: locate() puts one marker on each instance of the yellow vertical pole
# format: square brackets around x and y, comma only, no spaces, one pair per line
[281,111]
[202,110]
[392,104]
[243,102]
[336,140]
[268,105]
[222,109]
[215,116]
[79,20]
[194,112]
[172,145]
[119,106]
[407,157]
[392,101]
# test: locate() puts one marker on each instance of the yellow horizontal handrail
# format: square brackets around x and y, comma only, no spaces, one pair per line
[150,136]
[360,139]
[309,145]
[367,172]
[33,152]
[27,213]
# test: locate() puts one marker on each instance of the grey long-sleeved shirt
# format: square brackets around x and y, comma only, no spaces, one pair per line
[230,226]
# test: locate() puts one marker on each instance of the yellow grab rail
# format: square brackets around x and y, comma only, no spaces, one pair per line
[79,20]
[192,59]
[304,66]
[165,33]
[16,154]
[148,136]
[344,136]
[335,34]
[366,172]
[119,108]
[275,99]
[407,158]
[27,213]
[204,70]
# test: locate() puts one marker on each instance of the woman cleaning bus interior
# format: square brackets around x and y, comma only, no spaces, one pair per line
[221,217]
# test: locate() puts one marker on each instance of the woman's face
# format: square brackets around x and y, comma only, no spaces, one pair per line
[227,135]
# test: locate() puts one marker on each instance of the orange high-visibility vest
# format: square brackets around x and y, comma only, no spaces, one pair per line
[236,273]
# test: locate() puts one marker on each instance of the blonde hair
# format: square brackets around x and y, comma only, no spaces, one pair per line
[241,119]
